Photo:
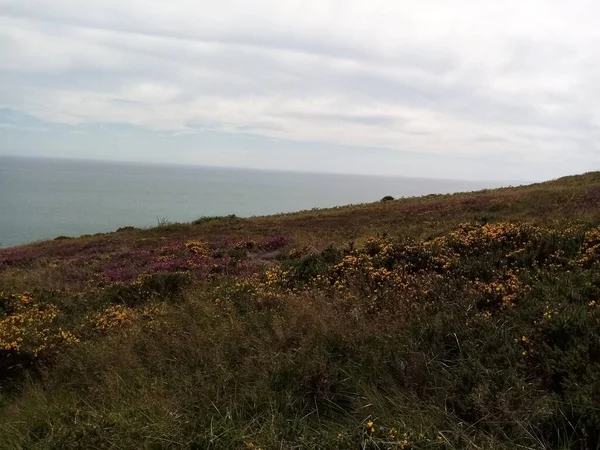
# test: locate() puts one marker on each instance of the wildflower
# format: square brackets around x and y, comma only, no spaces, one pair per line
[67,336]
[29,328]
[198,248]
[370,427]
[549,313]
[113,317]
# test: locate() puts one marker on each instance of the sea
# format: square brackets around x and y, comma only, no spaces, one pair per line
[44,198]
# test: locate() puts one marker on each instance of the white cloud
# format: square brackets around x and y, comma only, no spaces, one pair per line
[513,79]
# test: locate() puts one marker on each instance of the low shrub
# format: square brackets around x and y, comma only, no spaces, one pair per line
[206,219]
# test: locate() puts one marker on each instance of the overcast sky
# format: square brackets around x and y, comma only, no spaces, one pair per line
[456,89]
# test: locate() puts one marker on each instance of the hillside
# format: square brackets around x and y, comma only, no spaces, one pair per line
[469,320]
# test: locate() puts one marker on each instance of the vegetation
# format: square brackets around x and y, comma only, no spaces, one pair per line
[442,322]
[213,218]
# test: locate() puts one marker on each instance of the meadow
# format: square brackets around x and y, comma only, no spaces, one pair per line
[463,321]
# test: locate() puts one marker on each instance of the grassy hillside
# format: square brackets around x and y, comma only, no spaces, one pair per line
[442,322]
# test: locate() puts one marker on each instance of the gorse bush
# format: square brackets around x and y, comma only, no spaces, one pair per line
[206,219]
[306,268]
[164,286]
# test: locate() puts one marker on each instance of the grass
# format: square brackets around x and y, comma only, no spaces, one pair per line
[457,321]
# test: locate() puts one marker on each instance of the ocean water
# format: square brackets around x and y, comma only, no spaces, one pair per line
[45,198]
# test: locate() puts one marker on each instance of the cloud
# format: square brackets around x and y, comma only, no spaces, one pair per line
[512,80]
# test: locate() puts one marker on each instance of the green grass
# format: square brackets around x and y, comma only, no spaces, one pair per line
[457,321]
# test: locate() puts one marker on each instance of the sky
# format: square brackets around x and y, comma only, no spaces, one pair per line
[457,89]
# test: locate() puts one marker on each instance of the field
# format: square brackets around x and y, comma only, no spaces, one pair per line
[464,321]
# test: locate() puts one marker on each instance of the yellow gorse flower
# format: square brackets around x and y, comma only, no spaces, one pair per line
[118,316]
[199,248]
[30,327]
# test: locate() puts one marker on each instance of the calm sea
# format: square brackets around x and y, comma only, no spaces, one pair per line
[45,198]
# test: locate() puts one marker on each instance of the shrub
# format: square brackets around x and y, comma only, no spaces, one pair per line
[273,243]
[126,228]
[206,219]
[306,268]
[164,286]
